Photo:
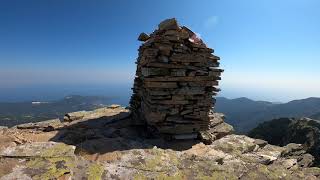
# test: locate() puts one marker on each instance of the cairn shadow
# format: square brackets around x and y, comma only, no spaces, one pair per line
[114,133]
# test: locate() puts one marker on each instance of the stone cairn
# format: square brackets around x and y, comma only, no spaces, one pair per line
[175,82]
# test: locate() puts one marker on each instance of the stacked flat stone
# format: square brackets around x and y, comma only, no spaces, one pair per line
[175,81]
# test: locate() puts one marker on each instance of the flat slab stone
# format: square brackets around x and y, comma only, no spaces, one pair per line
[112,112]
[169,24]
[221,130]
[40,125]
[39,149]
[182,79]
[186,136]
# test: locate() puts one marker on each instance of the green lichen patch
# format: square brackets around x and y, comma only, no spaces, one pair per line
[176,176]
[268,172]
[139,176]
[315,171]
[95,171]
[58,150]
[7,165]
[49,168]
[158,160]
[217,175]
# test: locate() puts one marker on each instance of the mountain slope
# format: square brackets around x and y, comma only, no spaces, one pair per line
[23,112]
[286,130]
[245,114]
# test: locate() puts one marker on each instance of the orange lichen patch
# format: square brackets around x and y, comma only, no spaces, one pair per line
[7,165]
[37,136]
[110,157]
[107,157]
[6,141]
[64,177]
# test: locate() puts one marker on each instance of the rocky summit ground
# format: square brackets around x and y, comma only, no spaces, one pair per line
[103,144]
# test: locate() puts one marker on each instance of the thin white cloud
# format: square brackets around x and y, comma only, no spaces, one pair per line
[211,22]
[281,86]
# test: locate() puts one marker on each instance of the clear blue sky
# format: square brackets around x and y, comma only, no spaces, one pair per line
[270,50]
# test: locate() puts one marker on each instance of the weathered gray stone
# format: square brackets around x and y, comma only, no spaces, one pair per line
[186,136]
[114,106]
[221,130]
[164,49]
[161,84]
[3,127]
[107,112]
[155,117]
[39,149]
[43,125]
[74,116]
[169,24]
[143,37]
[154,72]
[178,72]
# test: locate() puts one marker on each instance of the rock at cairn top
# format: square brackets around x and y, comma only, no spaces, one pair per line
[169,24]
[176,78]
[143,37]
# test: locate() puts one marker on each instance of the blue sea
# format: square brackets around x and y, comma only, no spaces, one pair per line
[118,93]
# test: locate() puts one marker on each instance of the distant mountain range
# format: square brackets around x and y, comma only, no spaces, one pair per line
[23,112]
[245,114]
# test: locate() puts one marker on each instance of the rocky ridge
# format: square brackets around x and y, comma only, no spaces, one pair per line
[283,131]
[105,144]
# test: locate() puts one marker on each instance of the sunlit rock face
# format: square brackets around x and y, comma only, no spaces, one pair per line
[175,81]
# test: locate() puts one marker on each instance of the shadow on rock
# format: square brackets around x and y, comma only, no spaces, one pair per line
[113,131]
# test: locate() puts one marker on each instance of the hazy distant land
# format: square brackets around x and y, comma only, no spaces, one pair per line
[243,113]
